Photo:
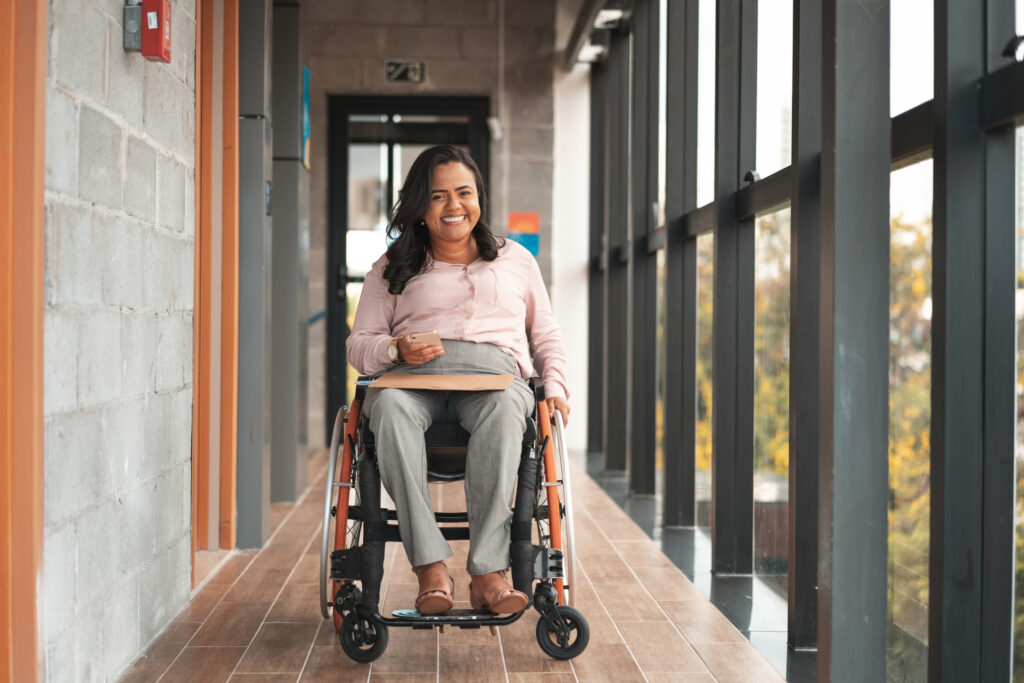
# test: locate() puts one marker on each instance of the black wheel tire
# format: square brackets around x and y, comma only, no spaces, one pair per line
[574,626]
[362,639]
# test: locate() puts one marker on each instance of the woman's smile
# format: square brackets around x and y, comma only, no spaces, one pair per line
[454,209]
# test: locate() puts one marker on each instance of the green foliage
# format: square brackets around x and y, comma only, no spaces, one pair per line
[771,344]
[910,278]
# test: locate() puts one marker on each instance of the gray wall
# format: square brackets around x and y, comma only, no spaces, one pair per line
[349,43]
[118,339]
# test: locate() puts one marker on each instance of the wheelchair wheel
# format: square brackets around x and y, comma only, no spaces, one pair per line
[563,633]
[363,639]
[569,548]
[336,524]
[550,529]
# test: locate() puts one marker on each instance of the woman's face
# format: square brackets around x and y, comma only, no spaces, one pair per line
[454,205]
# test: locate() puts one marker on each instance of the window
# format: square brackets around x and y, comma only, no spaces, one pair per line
[1018,517]
[774,86]
[706,102]
[911,54]
[771,397]
[705,308]
[910,306]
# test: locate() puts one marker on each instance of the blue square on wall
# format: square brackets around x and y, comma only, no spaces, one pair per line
[529,240]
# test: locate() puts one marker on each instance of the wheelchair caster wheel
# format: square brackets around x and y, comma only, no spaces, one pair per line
[563,632]
[362,639]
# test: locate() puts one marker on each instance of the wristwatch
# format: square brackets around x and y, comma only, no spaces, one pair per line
[393,351]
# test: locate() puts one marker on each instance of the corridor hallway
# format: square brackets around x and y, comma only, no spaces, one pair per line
[257,618]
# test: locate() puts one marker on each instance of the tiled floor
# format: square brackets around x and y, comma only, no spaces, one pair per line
[257,618]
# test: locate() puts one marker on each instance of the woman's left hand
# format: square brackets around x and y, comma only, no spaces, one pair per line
[561,404]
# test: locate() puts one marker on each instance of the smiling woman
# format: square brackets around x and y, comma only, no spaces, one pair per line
[485,298]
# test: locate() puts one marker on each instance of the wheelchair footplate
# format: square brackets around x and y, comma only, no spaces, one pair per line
[463,618]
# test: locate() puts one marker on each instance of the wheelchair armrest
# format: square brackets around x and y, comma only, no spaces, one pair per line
[538,388]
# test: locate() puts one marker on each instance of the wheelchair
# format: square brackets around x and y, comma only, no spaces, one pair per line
[352,555]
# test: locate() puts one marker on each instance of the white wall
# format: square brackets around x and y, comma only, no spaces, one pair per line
[571,238]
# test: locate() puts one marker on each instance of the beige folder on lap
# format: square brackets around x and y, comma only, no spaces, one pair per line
[394,380]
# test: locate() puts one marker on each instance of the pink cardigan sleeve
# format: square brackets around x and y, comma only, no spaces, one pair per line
[371,332]
[545,337]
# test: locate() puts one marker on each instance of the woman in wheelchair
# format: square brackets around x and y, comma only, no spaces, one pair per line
[446,272]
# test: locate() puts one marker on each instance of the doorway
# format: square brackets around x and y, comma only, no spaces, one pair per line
[372,143]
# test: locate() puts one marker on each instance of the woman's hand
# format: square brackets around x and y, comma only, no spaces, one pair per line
[417,353]
[561,404]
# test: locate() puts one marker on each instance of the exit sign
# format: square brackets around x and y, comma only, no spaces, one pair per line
[405,72]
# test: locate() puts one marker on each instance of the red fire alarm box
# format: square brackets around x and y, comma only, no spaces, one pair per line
[156,30]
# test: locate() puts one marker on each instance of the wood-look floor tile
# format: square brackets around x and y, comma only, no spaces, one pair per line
[408,651]
[679,678]
[605,567]
[202,603]
[736,663]
[297,602]
[330,665]
[658,647]
[612,663]
[231,624]
[667,583]
[523,654]
[627,601]
[701,622]
[233,568]
[308,568]
[263,678]
[161,653]
[279,648]
[402,678]
[277,514]
[258,585]
[542,678]
[470,663]
[327,636]
[642,554]
[207,664]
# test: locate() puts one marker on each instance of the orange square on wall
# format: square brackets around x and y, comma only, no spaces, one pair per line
[526,222]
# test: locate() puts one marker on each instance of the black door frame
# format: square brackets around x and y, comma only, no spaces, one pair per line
[339,108]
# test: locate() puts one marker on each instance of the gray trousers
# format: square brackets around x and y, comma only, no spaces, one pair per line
[495,421]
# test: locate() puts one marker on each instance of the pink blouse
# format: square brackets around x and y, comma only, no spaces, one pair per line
[502,302]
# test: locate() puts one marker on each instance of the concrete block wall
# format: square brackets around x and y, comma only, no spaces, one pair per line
[350,42]
[118,338]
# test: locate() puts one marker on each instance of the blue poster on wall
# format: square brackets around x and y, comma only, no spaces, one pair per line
[305,117]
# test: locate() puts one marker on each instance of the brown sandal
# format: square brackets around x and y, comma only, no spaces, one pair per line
[495,594]
[436,588]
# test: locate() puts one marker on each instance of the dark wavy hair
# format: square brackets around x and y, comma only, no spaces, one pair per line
[407,254]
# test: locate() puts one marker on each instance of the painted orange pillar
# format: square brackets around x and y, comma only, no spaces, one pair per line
[229,276]
[22,111]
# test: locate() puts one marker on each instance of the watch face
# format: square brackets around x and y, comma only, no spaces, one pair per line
[392,351]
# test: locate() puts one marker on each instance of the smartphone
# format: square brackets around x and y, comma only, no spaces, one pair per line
[431,338]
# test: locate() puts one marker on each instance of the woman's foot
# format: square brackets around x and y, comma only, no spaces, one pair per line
[436,588]
[493,592]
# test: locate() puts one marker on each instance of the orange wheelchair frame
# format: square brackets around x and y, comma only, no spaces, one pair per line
[354,552]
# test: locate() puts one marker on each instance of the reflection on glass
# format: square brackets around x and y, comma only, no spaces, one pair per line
[1018,518]
[705,102]
[774,85]
[771,397]
[367,178]
[910,306]
[911,54]
[705,302]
